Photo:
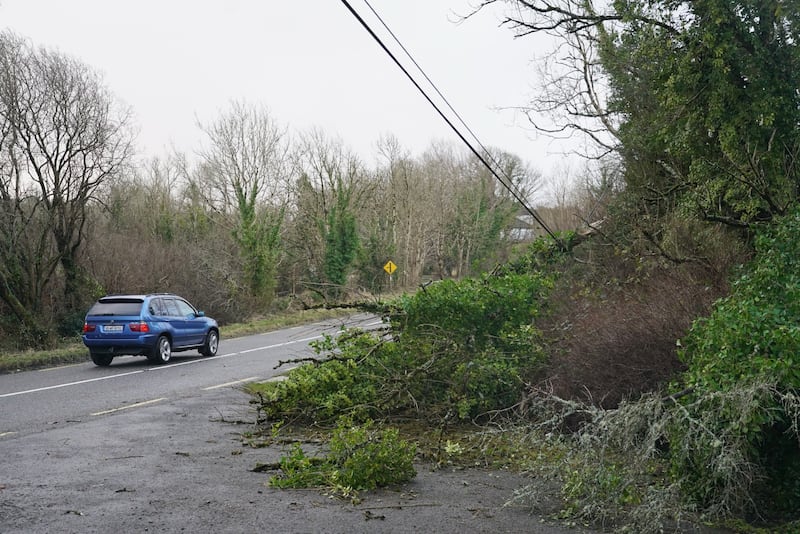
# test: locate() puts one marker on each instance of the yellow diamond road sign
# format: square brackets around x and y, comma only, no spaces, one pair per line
[390,267]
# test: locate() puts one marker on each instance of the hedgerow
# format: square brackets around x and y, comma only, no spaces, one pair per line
[723,441]
[752,336]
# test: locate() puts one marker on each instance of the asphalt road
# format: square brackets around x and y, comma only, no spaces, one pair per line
[35,401]
[141,448]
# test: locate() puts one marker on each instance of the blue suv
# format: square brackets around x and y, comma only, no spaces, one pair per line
[154,325]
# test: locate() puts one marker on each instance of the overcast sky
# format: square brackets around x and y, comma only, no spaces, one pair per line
[309,62]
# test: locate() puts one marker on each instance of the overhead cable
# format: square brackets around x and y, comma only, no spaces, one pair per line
[461,136]
[508,183]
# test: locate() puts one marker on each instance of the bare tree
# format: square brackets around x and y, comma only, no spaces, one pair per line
[247,158]
[447,213]
[65,138]
[245,173]
[573,96]
[415,205]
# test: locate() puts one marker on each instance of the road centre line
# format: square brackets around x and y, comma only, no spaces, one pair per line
[275,346]
[79,382]
[192,362]
[170,365]
[235,382]
[159,368]
[129,406]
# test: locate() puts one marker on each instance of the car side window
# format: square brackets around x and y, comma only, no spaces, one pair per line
[170,308]
[184,308]
[157,307]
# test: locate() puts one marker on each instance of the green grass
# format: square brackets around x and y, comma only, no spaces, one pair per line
[72,350]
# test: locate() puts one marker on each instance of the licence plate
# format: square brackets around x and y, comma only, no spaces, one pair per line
[112,328]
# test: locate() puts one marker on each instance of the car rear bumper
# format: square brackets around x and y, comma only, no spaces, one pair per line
[132,346]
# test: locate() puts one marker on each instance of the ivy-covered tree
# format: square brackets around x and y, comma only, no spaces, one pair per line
[698,98]
[246,175]
[484,210]
[330,192]
[341,240]
[710,104]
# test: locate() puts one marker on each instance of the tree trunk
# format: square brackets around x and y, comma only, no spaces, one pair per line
[38,334]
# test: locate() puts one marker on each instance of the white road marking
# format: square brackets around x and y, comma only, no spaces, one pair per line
[129,406]
[235,382]
[59,367]
[220,356]
[168,365]
[276,378]
[4,434]
[159,368]
[281,377]
[282,344]
[79,382]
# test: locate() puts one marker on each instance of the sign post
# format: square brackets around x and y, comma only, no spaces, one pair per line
[390,268]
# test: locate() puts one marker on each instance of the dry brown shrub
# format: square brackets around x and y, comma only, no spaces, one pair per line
[205,272]
[616,320]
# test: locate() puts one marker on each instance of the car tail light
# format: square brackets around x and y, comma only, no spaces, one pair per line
[139,327]
[89,328]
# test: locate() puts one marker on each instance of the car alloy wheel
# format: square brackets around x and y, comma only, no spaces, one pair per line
[163,350]
[211,344]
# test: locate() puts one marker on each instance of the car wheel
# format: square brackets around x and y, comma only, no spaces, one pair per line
[103,360]
[211,344]
[163,350]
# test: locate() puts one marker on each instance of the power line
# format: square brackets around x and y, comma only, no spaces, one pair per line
[477,154]
[509,182]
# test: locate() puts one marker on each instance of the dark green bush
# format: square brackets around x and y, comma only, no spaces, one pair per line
[475,313]
[340,384]
[456,348]
[751,337]
[362,457]
[366,457]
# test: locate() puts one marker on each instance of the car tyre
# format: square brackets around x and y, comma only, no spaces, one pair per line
[211,343]
[103,360]
[162,352]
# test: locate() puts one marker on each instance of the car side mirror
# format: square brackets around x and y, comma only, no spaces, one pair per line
[200,314]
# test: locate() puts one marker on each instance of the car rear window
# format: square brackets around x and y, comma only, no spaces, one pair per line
[116,307]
